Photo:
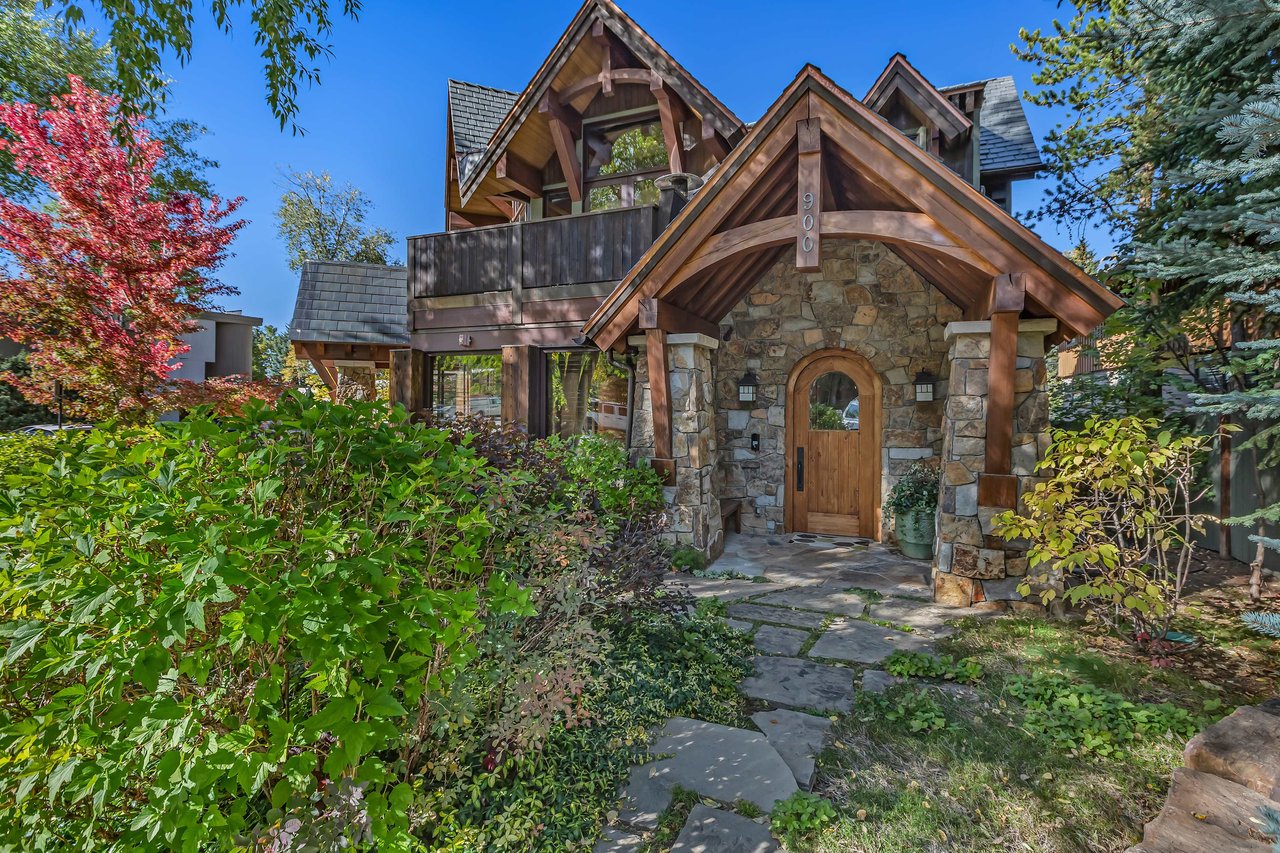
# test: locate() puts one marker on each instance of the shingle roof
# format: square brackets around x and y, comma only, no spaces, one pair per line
[350,303]
[1006,141]
[476,112]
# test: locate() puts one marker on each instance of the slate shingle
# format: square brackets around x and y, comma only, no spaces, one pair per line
[476,112]
[1006,141]
[342,302]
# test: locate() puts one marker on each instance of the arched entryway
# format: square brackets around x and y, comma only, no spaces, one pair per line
[833,445]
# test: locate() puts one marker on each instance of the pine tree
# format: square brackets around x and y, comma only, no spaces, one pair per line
[1222,248]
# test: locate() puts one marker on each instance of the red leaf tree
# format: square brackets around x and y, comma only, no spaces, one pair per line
[102,278]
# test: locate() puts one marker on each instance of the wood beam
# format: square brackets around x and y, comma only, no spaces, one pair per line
[565,125]
[1006,293]
[408,378]
[670,111]
[660,403]
[520,397]
[657,314]
[997,487]
[714,142]
[605,81]
[809,195]
[519,176]
[462,221]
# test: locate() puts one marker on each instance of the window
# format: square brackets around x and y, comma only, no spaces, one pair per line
[621,161]
[467,385]
[833,403]
[585,394]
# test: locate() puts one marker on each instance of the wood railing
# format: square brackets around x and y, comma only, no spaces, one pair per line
[591,247]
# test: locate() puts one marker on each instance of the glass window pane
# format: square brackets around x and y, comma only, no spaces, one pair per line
[621,149]
[833,403]
[467,385]
[585,394]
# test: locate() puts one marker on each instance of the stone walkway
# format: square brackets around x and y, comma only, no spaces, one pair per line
[809,609]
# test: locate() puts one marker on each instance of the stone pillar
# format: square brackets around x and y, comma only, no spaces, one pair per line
[357,382]
[971,564]
[692,502]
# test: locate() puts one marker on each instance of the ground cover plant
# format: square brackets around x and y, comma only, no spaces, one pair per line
[319,625]
[1066,743]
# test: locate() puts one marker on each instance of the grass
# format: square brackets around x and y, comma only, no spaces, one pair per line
[985,783]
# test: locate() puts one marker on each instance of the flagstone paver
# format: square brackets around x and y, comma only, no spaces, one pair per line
[798,683]
[878,681]
[725,589]
[864,642]
[711,830]
[927,619]
[772,640]
[740,625]
[753,612]
[797,737]
[616,841]
[815,598]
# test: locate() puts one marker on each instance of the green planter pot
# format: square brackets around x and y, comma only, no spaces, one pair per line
[915,531]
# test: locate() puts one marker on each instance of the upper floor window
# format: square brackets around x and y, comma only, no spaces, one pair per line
[621,161]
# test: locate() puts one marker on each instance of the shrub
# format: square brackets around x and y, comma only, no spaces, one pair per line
[20,453]
[908,664]
[915,709]
[239,627]
[599,470]
[1115,514]
[915,490]
[800,816]
[686,558]
[1264,623]
[1082,718]
[822,416]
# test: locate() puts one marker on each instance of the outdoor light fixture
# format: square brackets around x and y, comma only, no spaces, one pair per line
[747,387]
[924,386]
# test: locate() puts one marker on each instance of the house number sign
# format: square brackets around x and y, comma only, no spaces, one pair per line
[806,223]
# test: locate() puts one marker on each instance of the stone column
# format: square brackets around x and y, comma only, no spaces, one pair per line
[692,502]
[971,564]
[357,382]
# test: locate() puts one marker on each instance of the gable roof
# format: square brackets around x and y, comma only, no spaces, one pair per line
[351,303]
[1006,142]
[475,112]
[901,77]
[635,39]
[942,226]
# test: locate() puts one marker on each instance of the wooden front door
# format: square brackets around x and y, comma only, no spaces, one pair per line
[833,446]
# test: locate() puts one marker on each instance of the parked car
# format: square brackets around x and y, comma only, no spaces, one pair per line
[850,416]
[48,429]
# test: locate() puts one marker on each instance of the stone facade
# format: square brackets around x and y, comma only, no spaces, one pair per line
[972,565]
[693,500]
[866,300]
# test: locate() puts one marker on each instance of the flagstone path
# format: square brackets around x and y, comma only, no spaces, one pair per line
[808,608]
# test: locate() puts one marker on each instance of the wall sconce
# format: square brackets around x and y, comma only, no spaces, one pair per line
[924,386]
[464,340]
[747,387]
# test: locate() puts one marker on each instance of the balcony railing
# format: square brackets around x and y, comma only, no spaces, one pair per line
[593,247]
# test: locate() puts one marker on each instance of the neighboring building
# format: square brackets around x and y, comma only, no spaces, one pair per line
[782,316]
[222,346]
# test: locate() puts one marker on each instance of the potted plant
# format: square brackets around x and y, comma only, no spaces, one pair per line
[913,506]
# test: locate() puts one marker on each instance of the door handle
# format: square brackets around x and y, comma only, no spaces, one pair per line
[799,469]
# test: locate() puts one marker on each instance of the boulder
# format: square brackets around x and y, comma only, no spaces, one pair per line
[1243,748]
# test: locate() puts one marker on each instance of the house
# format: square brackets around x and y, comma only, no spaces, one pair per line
[781,316]
[221,346]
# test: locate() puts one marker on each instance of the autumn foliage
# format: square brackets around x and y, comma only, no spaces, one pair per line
[103,277]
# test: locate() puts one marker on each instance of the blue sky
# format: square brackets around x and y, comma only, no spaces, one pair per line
[377,119]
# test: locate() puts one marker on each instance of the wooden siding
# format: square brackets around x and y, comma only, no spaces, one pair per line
[593,247]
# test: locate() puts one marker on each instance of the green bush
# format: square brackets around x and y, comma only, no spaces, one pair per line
[235,624]
[20,453]
[599,471]
[915,490]
[1082,718]
[800,816]
[823,416]
[15,411]
[913,709]
[908,664]
[687,558]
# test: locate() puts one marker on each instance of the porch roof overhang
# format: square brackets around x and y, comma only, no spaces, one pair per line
[863,179]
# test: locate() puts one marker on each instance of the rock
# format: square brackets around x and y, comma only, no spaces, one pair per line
[1243,748]
[1002,590]
[927,620]
[878,681]
[772,640]
[1216,801]
[781,615]
[841,603]
[795,683]
[711,830]
[864,642]
[719,762]
[738,625]
[1180,832]
[952,589]
[797,737]
[617,841]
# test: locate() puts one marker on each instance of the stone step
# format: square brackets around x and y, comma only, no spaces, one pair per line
[717,762]
[797,737]
[1243,748]
[772,640]
[865,642]
[800,684]
[711,830]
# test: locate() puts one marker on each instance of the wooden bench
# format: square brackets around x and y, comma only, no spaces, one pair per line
[731,513]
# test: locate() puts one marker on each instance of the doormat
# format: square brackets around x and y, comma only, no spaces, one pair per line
[823,540]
